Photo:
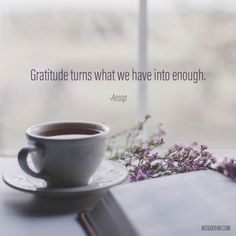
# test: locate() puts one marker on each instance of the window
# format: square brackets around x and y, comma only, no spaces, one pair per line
[186,36]
[90,35]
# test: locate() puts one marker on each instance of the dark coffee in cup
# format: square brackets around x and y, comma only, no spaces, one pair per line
[65,133]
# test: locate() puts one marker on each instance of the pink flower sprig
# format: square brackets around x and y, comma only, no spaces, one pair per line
[143,160]
[144,164]
[228,168]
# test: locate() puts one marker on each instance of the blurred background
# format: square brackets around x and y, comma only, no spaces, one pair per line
[90,35]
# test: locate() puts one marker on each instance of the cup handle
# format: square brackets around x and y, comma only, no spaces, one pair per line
[22,159]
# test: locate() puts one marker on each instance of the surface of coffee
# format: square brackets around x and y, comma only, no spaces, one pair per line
[69,133]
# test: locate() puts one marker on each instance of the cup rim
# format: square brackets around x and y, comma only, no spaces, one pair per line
[105,130]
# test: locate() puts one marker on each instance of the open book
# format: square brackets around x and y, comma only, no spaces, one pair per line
[183,204]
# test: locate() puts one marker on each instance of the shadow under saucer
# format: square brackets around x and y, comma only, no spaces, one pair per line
[31,205]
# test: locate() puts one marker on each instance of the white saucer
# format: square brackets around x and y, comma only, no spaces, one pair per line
[109,174]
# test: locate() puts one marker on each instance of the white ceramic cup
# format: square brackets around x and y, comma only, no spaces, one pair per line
[65,154]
